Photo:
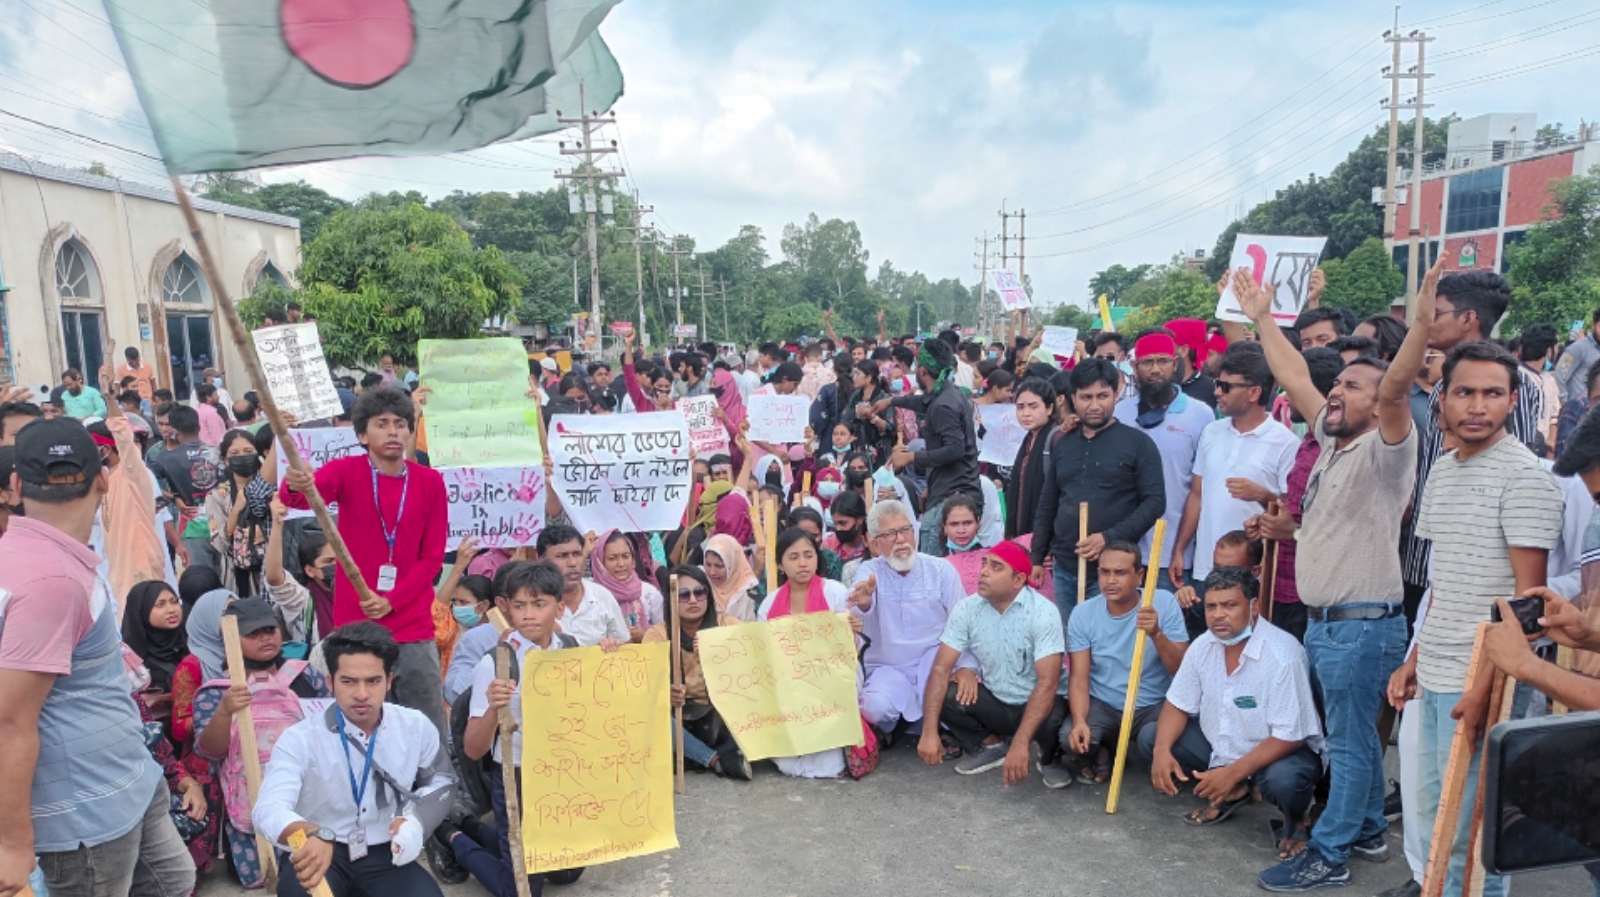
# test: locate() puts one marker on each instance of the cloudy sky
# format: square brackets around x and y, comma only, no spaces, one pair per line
[1129,131]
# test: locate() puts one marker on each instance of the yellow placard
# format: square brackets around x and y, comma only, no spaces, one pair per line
[596,756]
[1105,314]
[787,687]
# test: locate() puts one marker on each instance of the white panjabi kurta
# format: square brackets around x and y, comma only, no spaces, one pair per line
[905,623]
[827,764]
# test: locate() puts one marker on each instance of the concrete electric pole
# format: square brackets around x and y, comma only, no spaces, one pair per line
[1419,74]
[590,200]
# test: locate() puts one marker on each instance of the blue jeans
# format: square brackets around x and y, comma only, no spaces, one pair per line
[1433,751]
[930,532]
[1066,578]
[1351,661]
[699,753]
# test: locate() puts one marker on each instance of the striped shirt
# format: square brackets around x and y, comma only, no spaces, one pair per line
[1525,417]
[1475,511]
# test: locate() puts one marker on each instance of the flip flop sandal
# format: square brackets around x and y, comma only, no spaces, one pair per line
[1297,833]
[1223,811]
[952,748]
[1096,775]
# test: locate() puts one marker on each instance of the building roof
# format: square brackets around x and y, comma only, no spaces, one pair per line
[21,165]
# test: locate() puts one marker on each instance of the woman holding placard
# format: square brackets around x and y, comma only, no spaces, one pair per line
[707,743]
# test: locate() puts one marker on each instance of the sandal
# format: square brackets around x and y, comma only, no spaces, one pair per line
[1094,775]
[1297,835]
[952,748]
[1223,811]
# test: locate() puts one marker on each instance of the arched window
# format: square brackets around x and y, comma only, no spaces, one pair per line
[187,299]
[270,272]
[82,318]
[183,284]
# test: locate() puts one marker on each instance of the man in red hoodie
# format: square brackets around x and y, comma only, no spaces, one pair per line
[393,518]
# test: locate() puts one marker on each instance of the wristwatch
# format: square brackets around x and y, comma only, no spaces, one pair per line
[323,833]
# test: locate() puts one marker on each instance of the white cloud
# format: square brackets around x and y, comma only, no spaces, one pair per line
[1141,127]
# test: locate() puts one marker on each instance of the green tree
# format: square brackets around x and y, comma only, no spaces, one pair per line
[1365,281]
[1069,315]
[1172,291]
[1555,273]
[791,321]
[830,264]
[1115,281]
[383,275]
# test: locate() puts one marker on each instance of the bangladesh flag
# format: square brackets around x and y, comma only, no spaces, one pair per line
[236,84]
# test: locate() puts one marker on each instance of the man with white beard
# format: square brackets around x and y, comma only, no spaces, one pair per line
[904,599]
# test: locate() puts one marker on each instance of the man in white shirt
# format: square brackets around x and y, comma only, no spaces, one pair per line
[1242,464]
[1239,712]
[589,612]
[364,782]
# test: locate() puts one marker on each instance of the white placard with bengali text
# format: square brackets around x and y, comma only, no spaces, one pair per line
[1061,341]
[318,446]
[1012,292]
[1002,435]
[621,471]
[1284,262]
[503,507]
[296,372]
[775,418]
[706,433]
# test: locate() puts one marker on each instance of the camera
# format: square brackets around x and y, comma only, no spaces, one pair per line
[1541,778]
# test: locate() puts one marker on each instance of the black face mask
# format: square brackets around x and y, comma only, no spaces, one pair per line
[328,572]
[847,536]
[245,466]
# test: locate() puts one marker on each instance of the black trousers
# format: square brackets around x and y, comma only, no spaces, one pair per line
[374,875]
[971,724]
[1291,618]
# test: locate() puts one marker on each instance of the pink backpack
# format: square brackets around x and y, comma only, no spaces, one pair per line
[274,708]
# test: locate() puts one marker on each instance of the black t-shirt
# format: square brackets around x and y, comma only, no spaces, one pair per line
[1203,388]
[191,471]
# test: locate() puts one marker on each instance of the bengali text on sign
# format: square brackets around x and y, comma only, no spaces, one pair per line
[706,433]
[296,372]
[622,471]
[317,446]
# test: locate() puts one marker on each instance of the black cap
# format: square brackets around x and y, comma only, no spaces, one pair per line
[56,452]
[254,615]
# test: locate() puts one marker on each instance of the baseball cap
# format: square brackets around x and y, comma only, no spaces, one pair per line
[254,614]
[548,364]
[56,452]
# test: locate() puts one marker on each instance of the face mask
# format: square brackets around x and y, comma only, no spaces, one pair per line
[467,616]
[217,382]
[328,571]
[1126,367]
[828,490]
[847,535]
[994,356]
[1547,364]
[843,449]
[245,466]
[952,546]
[1230,642]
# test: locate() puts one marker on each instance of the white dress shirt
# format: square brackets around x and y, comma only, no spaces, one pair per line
[483,674]
[598,616]
[308,777]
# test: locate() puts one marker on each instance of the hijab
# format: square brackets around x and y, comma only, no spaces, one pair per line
[629,593]
[706,511]
[740,576]
[160,649]
[733,518]
[205,633]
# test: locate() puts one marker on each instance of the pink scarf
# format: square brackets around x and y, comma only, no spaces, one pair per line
[629,594]
[816,602]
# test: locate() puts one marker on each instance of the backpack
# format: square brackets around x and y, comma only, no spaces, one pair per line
[274,708]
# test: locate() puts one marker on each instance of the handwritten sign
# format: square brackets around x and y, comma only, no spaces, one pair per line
[775,418]
[596,756]
[621,471]
[706,433]
[503,507]
[479,414]
[297,374]
[1002,435]
[317,446]
[787,687]
[686,331]
[1060,341]
[1013,295]
[1284,262]
[622,328]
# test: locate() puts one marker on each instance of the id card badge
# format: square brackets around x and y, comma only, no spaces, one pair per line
[358,842]
[386,577]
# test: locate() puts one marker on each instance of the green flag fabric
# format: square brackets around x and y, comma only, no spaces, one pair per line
[236,84]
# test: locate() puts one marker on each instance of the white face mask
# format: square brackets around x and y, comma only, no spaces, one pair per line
[1248,631]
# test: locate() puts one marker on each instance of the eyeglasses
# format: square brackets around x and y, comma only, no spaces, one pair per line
[1227,386]
[1441,312]
[895,535]
[697,593]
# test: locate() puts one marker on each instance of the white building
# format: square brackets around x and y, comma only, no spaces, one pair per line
[85,260]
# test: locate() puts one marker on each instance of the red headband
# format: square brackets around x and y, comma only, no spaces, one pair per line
[106,441]
[1014,557]
[1155,344]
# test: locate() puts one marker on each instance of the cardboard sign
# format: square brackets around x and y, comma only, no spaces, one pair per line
[596,756]
[502,506]
[479,414]
[1002,435]
[1013,295]
[317,446]
[622,328]
[686,331]
[778,419]
[1060,341]
[1284,262]
[622,471]
[296,372]
[706,433]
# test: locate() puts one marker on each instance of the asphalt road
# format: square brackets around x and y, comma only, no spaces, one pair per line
[908,830]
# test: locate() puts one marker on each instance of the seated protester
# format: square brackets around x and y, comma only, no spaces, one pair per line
[204,663]
[363,832]
[707,743]
[589,612]
[1234,549]
[848,516]
[152,626]
[904,599]
[477,640]
[1100,638]
[1239,712]
[273,694]
[196,819]
[307,609]
[810,520]
[806,592]
[963,547]
[1012,715]
[530,598]
[615,567]
[735,589]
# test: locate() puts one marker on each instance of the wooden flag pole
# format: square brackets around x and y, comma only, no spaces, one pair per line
[677,674]
[770,520]
[320,889]
[508,766]
[1455,783]
[1083,562]
[246,722]
[1130,703]
[243,342]
[1269,568]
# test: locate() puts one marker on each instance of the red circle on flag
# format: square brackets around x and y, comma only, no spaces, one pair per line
[353,43]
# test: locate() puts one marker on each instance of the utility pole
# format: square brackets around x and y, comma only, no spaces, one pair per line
[639,232]
[727,331]
[589,174]
[983,279]
[1419,74]
[705,331]
[1005,220]
[677,281]
[1022,242]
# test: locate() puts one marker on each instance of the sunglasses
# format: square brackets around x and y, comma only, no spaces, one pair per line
[698,593]
[1226,386]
